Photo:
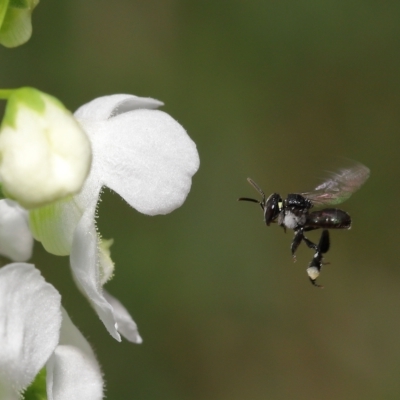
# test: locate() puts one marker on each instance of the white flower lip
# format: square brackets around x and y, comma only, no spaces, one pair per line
[35,332]
[44,155]
[84,266]
[86,273]
[30,321]
[146,157]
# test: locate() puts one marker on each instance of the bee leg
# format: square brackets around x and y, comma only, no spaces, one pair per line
[317,262]
[324,242]
[310,244]
[314,269]
[314,282]
[298,237]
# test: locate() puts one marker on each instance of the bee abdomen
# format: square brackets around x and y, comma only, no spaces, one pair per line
[329,218]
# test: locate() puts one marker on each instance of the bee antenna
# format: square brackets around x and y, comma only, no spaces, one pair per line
[247,199]
[255,186]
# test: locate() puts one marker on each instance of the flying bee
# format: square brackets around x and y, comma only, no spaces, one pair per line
[294,211]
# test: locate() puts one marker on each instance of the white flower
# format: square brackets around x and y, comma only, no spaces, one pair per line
[44,153]
[141,153]
[35,332]
[16,241]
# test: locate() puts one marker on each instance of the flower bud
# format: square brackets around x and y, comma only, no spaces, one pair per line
[44,153]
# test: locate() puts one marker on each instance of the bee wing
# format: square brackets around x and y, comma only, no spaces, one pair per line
[339,186]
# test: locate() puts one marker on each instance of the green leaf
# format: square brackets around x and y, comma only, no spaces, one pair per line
[37,389]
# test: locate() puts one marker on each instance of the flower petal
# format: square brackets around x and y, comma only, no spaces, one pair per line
[105,107]
[85,265]
[73,371]
[85,269]
[146,157]
[30,320]
[16,241]
[126,325]
[8,392]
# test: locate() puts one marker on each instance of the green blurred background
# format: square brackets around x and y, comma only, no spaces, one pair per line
[274,90]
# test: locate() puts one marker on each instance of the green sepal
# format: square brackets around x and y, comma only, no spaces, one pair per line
[2,195]
[16,21]
[50,228]
[3,10]
[37,389]
[27,96]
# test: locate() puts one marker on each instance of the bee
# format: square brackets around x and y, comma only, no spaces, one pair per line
[294,212]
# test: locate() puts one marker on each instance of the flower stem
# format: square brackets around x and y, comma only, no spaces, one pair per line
[5,93]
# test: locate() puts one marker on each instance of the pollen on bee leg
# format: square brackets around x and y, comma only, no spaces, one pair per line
[313,272]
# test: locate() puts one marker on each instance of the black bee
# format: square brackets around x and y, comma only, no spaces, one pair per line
[294,211]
